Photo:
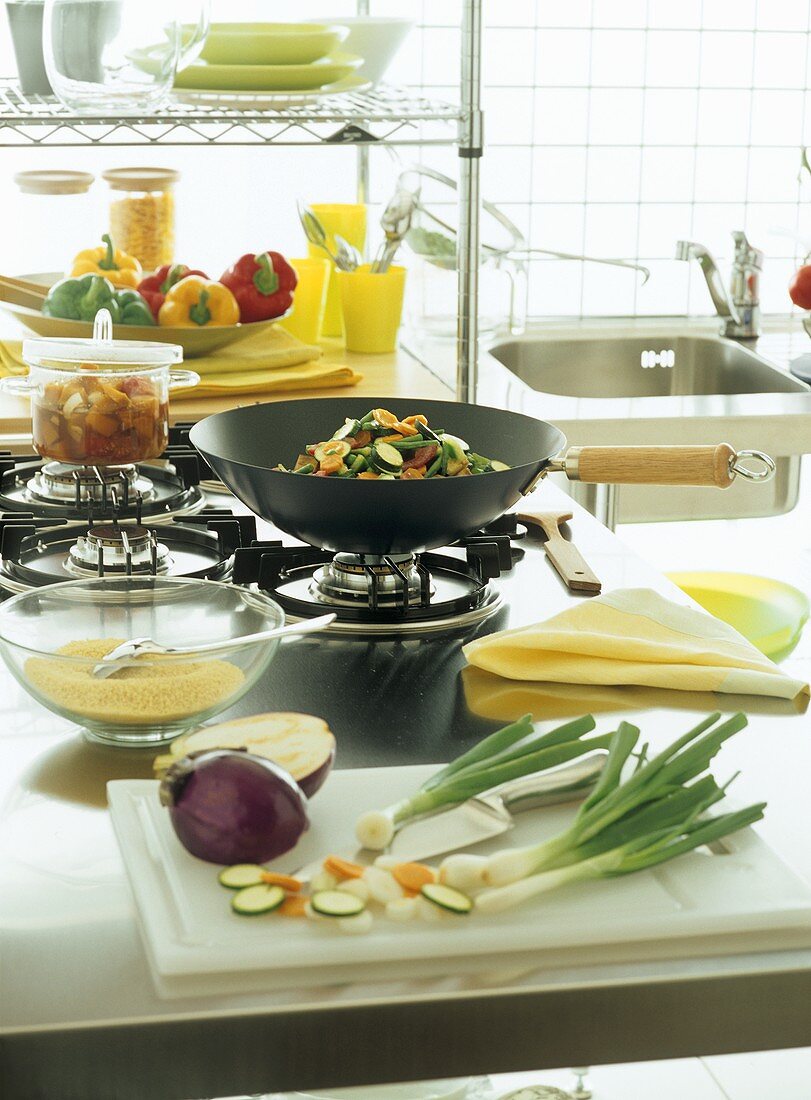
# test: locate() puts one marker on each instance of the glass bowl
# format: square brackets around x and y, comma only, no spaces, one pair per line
[51,638]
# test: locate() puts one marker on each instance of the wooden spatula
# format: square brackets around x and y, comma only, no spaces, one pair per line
[564,555]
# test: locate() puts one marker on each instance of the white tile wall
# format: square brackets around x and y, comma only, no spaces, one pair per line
[650,120]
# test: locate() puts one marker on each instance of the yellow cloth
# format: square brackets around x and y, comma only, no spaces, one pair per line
[267,350]
[270,361]
[634,636]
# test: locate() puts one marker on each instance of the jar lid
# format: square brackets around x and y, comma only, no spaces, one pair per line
[113,353]
[54,182]
[140,179]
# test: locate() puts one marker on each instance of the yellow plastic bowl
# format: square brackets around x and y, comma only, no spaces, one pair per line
[769,613]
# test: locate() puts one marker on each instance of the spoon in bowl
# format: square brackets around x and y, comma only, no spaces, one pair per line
[127,653]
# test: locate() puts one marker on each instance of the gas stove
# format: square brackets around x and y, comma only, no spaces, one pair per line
[60,523]
[386,594]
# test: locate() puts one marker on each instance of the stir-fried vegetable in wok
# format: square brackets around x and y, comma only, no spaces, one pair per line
[379,446]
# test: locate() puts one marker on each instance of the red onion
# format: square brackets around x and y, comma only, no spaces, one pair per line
[227,806]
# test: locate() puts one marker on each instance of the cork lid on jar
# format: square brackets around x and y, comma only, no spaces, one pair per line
[141,179]
[54,182]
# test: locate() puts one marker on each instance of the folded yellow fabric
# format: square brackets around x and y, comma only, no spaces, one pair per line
[305,376]
[634,636]
[268,350]
[11,360]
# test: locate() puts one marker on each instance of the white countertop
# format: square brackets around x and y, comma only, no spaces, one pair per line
[76,997]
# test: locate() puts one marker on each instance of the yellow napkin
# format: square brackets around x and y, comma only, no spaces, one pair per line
[270,361]
[634,636]
[11,359]
[264,351]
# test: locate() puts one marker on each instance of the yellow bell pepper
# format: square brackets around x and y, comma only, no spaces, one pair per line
[117,266]
[194,302]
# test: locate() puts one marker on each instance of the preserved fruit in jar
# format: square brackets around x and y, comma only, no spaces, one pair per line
[94,420]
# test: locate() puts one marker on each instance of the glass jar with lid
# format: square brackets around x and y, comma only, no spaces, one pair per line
[56,216]
[100,402]
[142,213]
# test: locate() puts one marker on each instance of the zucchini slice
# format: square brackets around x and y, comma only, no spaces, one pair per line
[254,900]
[332,448]
[349,428]
[454,901]
[386,459]
[498,466]
[336,903]
[240,875]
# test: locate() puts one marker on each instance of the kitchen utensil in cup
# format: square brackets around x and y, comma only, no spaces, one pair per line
[309,299]
[349,221]
[372,308]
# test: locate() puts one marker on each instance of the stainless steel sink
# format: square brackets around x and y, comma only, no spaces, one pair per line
[642,366]
[654,384]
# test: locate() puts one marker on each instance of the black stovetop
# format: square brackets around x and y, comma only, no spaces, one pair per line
[396,700]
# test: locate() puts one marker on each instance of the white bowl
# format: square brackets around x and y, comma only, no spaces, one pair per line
[375,39]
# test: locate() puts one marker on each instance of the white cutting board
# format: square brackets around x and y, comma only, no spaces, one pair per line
[742,898]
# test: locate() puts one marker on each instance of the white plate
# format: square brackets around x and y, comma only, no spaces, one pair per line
[268,101]
[748,893]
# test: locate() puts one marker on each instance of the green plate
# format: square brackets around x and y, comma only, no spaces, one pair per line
[255,78]
[769,613]
[271,43]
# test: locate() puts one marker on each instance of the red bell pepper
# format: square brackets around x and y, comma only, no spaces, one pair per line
[262,284]
[157,286]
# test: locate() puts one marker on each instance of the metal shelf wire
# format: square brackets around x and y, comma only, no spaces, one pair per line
[383,115]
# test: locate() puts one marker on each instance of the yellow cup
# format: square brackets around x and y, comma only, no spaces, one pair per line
[372,308]
[309,299]
[348,220]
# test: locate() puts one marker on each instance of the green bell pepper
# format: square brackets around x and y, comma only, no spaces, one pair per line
[79,299]
[133,309]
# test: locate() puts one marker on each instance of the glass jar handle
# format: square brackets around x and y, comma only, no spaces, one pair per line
[183,379]
[18,387]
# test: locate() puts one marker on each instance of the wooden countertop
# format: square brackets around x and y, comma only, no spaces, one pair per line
[396,375]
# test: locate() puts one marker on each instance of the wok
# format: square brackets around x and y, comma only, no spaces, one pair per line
[401,517]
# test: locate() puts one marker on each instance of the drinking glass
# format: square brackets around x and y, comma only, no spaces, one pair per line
[119,55]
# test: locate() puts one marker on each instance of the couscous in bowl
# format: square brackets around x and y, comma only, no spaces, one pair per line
[51,639]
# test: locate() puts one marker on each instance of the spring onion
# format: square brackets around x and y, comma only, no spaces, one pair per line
[486,765]
[654,815]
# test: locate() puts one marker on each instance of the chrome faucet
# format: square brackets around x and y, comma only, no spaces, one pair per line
[739,307]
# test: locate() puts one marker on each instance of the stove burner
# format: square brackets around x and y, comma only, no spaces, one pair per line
[155,491]
[376,582]
[36,552]
[114,549]
[389,594]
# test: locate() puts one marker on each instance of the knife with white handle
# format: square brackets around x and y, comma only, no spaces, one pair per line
[485,815]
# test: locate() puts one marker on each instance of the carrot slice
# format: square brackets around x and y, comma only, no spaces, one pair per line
[287,882]
[342,868]
[395,438]
[384,418]
[294,905]
[413,876]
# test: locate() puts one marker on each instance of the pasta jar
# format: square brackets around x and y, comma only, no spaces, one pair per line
[142,213]
[98,402]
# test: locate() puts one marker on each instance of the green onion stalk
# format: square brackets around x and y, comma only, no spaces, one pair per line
[654,815]
[507,754]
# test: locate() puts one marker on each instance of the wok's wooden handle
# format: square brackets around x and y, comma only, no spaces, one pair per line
[652,465]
